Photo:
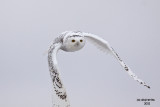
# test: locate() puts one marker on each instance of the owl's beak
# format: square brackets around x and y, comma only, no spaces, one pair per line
[77,43]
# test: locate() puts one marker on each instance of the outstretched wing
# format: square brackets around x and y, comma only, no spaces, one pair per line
[104,46]
[60,98]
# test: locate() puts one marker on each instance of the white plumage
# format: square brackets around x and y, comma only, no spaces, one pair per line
[71,41]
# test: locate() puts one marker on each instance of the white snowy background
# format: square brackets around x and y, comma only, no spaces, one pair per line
[92,79]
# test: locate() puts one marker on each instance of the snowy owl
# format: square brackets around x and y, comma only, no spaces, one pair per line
[71,41]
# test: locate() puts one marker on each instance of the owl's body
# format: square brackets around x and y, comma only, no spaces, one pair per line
[71,41]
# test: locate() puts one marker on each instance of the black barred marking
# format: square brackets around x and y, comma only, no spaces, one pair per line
[55,75]
[116,54]
[126,68]
[58,83]
[64,96]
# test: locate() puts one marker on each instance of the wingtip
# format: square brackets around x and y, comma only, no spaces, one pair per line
[148,86]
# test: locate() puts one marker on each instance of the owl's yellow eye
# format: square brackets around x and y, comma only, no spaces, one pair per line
[81,40]
[73,40]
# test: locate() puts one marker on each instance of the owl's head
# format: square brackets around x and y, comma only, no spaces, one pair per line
[73,41]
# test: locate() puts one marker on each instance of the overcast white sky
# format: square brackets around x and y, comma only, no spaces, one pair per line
[92,79]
